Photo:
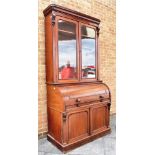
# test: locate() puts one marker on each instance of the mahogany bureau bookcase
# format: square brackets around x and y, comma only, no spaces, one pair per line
[78,103]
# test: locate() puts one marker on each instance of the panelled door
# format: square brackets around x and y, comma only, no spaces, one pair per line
[99,116]
[77,125]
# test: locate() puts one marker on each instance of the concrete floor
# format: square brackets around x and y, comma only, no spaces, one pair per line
[105,145]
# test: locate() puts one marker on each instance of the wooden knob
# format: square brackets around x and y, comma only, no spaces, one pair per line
[101,97]
[77,100]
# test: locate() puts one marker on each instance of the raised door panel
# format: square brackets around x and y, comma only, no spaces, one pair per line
[98,117]
[78,125]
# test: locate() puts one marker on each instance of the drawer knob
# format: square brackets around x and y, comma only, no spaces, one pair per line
[101,98]
[77,102]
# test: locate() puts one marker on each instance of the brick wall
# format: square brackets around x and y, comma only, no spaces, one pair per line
[104,10]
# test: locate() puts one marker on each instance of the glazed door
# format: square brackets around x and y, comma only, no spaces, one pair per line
[77,125]
[88,54]
[99,118]
[67,50]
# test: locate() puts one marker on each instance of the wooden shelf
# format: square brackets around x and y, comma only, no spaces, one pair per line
[66,31]
[87,36]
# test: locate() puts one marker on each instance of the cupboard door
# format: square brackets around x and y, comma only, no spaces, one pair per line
[99,116]
[78,124]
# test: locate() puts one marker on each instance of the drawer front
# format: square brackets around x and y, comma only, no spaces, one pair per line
[78,101]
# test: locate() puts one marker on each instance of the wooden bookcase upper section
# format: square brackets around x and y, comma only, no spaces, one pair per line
[71,43]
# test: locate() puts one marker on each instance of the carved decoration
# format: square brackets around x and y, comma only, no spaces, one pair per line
[98,29]
[109,104]
[53,18]
[64,116]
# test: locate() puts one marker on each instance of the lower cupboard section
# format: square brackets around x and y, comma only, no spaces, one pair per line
[86,121]
[80,125]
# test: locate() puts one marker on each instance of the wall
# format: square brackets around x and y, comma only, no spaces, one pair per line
[104,10]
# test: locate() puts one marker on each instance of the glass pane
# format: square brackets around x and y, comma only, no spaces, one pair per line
[67,50]
[66,26]
[88,52]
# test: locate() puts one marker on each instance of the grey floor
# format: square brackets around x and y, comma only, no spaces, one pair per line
[105,145]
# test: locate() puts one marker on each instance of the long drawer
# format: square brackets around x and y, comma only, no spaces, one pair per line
[78,101]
